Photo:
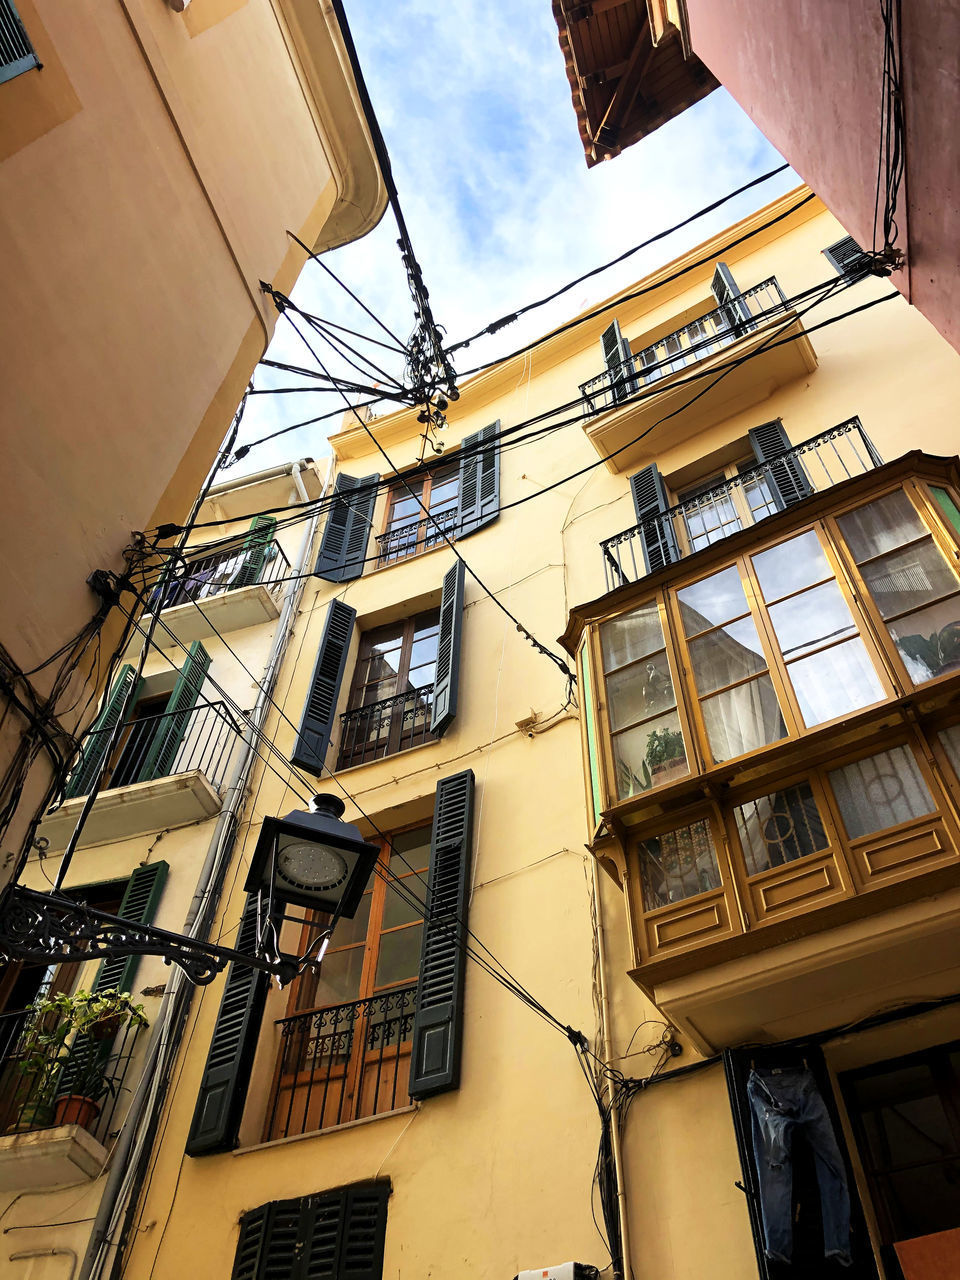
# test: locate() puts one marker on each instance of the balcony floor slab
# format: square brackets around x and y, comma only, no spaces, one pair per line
[57,1157]
[122,812]
[229,611]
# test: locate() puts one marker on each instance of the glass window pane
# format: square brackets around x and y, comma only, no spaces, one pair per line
[678,865]
[339,978]
[402,902]
[347,931]
[711,601]
[929,640]
[730,654]
[640,691]
[780,828]
[649,755]
[908,578]
[414,846]
[791,565]
[950,741]
[881,791]
[631,637]
[835,681]
[881,526]
[743,719]
[947,506]
[399,955]
[811,619]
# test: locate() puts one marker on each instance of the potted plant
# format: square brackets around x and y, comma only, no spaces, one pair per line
[665,754]
[66,1049]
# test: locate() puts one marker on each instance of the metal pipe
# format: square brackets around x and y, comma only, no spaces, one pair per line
[268,473]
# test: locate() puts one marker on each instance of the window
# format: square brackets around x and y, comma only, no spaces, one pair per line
[333,1235]
[779,828]
[16,51]
[346,1040]
[881,791]
[723,504]
[407,531]
[678,864]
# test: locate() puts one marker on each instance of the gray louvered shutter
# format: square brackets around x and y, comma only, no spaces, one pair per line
[95,744]
[171,728]
[727,293]
[253,1244]
[344,543]
[847,258]
[619,361]
[787,479]
[438,1022]
[657,535]
[364,1232]
[447,678]
[223,1089]
[316,724]
[478,500]
[16,52]
[256,545]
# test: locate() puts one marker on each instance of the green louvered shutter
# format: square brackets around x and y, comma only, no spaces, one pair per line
[478,499]
[95,744]
[347,532]
[727,293]
[253,1244]
[171,727]
[650,502]
[223,1089]
[316,724]
[787,479]
[446,680]
[618,359]
[255,548]
[438,1022]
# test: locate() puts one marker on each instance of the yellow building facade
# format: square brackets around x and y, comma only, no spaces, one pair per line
[727,861]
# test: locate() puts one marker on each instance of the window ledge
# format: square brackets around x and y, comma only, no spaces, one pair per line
[322,1133]
[394,755]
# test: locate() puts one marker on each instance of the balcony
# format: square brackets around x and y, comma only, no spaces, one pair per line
[411,539]
[342,1063]
[51,1136]
[819,463]
[226,591]
[167,772]
[629,399]
[383,728]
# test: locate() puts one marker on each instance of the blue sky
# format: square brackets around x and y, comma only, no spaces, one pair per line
[474,104]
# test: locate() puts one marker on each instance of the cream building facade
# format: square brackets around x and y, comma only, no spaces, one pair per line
[677,862]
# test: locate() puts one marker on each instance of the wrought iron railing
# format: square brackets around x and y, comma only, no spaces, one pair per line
[224,571]
[201,739]
[342,1063]
[410,539]
[383,728]
[695,341]
[819,463]
[84,1082]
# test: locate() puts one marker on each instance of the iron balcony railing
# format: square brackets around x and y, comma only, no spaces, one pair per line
[342,1063]
[700,338]
[410,539]
[224,571]
[819,463]
[85,1082]
[383,728]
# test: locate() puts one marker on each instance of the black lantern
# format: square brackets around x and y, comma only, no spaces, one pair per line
[313,859]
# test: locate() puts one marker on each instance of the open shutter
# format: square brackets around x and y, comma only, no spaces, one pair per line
[478,501]
[447,678]
[344,543]
[95,744]
[657,535]
[139,905]
[437,1027]
[172,726]
[619,361]
[256,545]
[226,1076]
[788,480]
[316,724]
[847,258]
[727,293]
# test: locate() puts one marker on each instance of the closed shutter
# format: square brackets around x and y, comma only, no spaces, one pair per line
[316,724]
[95,744]
[256,546]
[364,1231]
[478,500]
[618,359]
[657,536]
[253,1243]
[727,293]
[172,726]
[847,258]
[447,678]
[438,1022]
[787,479]
[226,1076]
[344,543]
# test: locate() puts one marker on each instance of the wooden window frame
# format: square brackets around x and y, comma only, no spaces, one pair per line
[397,493]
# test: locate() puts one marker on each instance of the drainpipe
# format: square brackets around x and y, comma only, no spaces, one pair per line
[611,1092]
[130,1155]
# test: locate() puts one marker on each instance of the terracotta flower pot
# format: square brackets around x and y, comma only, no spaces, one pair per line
[106,1028]
[32,1115]
[74,1108]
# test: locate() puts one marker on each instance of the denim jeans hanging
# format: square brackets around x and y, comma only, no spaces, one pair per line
[781,1102]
